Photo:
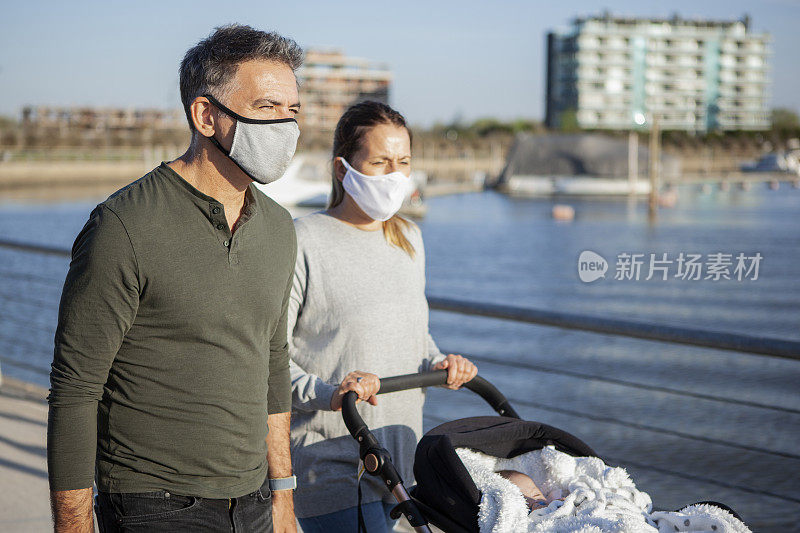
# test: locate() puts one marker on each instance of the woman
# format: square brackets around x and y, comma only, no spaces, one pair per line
[357,309]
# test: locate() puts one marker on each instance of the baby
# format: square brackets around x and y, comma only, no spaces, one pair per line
[532,494]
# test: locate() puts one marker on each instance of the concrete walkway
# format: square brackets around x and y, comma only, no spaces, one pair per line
[24,496]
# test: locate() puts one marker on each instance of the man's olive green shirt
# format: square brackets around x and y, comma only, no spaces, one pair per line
[171,343]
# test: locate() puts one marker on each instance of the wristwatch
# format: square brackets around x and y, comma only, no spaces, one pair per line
[283,483]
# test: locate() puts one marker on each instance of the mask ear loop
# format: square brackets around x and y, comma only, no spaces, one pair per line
[246,120]
[356,172]
[224,109]
[228,112]
[367,176]
[219,146]
[346,164]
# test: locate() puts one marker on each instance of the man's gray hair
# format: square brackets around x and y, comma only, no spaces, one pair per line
[209,66]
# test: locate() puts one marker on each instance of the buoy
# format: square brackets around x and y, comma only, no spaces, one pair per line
[774,185]
[745,185]
[668,198]
[796,184]
[724,186]
[563,212]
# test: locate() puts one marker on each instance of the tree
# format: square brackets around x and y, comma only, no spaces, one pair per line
[7,122]
[785,120]
[568,121]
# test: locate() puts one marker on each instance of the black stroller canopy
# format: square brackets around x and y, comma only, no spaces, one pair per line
[443,483]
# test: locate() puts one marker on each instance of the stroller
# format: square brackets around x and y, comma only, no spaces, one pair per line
[445,494]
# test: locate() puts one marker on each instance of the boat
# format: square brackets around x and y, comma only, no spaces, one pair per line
[782,161]
[585,164]
[302,185]
[573,186]
[591,186]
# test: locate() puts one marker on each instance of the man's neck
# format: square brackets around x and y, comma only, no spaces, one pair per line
[215,175]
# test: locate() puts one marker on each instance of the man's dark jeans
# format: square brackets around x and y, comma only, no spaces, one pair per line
[162,511]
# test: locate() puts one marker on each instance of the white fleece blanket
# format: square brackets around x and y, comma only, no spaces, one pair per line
[596,498]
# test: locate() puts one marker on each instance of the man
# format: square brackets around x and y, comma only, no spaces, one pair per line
[171,344]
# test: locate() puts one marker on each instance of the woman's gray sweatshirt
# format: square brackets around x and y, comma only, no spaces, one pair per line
[357,303]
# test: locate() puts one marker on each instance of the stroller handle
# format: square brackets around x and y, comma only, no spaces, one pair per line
[480,386]
[376,459]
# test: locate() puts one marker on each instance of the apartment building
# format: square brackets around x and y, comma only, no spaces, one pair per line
[331,81]
[607,72]
[102,119]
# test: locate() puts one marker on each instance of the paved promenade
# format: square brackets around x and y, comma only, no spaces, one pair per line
[24,504]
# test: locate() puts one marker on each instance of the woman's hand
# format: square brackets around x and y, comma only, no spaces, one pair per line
[364,384]
[459,370]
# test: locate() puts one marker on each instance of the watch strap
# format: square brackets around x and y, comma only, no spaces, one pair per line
[283,483]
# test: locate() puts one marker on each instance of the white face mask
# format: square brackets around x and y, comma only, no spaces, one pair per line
[380,197]
[263,149]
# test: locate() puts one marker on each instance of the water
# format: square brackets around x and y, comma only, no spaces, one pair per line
[689,423]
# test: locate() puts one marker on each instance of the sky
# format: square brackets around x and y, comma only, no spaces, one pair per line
[451,59]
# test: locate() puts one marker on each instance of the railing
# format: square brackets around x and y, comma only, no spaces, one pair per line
[35,248]
[640,330]
[626,328]
[24,297]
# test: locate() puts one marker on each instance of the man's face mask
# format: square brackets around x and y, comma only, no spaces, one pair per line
[263,149]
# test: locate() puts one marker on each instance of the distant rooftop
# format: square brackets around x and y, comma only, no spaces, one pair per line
[335,58]
[675,20]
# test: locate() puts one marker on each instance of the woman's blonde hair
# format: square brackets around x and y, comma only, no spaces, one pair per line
[354,124]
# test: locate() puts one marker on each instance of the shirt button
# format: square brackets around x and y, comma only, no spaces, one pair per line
[215,210]
[220,226]
[226,244]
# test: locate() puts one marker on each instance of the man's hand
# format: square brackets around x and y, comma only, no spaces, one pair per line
[72,510]
[364,384]
[279,461]
[459,370]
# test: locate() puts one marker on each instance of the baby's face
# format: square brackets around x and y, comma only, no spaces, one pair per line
[533,496]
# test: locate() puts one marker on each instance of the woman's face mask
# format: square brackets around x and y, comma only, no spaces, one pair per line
[380,197]
[263,149]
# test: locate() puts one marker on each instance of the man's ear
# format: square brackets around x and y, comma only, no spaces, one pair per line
[202,117]
[339,168]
